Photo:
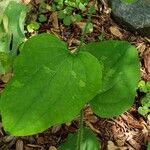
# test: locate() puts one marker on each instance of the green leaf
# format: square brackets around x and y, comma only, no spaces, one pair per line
[5,62]
[89,28]
[121,74]
[77,18]
[11,29]
[146,100]
[33,26]
[148,86]
[129,1]
[143,110]
[142,86]
[148,146]
[81,6]
[50,86]
[53,7]
[3,5]
[89,142]
[61,14]
[68,11]
[67,20]
[42,18]
[16,24]
[42,7]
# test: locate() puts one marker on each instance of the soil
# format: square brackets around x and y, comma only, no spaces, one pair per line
[129,131]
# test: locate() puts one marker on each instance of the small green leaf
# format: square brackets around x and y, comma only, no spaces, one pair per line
[67,20]
[146,100]
[77,18]
[50,86]
[53,7]
[89,142]
[42,18]
[68,11]
[129,1]
[81,6]
[61,14]
[148,146]
[42,7]
[33,26]
[101,37]
[11,32]
[148,86]
[121,74]
[143,110]
[142,86]
[89,28]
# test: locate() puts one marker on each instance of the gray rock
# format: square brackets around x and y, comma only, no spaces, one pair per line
[136,16]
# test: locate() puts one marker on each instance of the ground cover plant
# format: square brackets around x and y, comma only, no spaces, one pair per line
[65,10]
[49,79]
[12,32]
[144,109]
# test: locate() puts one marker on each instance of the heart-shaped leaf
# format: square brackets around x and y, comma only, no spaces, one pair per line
[50,86]
[89,141]
[121,74]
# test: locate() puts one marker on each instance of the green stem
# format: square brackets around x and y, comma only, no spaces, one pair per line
[80,132]
[86,26]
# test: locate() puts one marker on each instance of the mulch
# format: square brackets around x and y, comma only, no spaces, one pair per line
[129,131]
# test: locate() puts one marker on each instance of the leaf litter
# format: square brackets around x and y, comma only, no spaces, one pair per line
[128,131]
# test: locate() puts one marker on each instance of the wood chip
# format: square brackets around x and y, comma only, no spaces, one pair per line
[56,129]
[19,145]
[115,31]
[34,146]
[134,144]
[28,148]
[52,148]
[141,48]
[54,20]
[26,1]
[112,146]
[40,140]
[147,63]
[8,138]
[5,78]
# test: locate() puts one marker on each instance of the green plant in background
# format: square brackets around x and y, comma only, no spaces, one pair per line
[65,9]
[145,108]
[34,22]
[148,146]
[33,26]
[144,86]
[12,32]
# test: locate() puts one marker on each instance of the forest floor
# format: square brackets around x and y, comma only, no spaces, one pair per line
[129,131]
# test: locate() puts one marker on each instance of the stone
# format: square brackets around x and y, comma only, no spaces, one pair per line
[135,16]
